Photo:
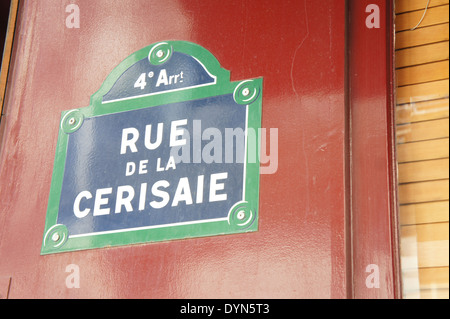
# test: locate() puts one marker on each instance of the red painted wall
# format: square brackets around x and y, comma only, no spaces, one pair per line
[303,246]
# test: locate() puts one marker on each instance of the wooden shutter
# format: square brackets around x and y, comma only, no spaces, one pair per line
[422,119]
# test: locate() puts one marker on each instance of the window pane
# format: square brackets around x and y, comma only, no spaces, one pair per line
[422,119]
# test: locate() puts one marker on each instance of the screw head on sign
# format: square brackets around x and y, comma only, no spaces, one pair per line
[160,53]
[245,92]
[240,215]
[72,121]
[55,237]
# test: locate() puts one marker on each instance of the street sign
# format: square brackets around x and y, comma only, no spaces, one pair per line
[167,149]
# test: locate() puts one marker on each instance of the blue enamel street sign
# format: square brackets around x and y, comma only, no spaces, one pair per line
[165,151]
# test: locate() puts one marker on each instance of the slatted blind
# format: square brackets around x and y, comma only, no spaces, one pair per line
[422,120]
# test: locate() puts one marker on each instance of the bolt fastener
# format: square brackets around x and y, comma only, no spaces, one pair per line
[240,215]
[55,237]
[160,54]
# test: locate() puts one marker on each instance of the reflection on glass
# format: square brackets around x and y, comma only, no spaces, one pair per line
[422,122]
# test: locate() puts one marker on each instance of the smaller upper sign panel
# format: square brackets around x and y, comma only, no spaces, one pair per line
[162,71]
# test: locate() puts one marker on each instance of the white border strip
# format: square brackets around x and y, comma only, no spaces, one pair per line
[245,153]
[148,227]
[156,93]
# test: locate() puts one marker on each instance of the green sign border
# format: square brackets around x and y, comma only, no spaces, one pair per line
[243,217]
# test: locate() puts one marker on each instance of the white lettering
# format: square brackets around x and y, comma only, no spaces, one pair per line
[171,163]
[99,201]
[131,143]
[160,193]
[162,78]
[183,192]
[148,133]
[143,167]
[76,204]
[124,201]
[200,181]
[214,187]
[158,165]
[142,196]
[130,169]
[175,133]
[130,199]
